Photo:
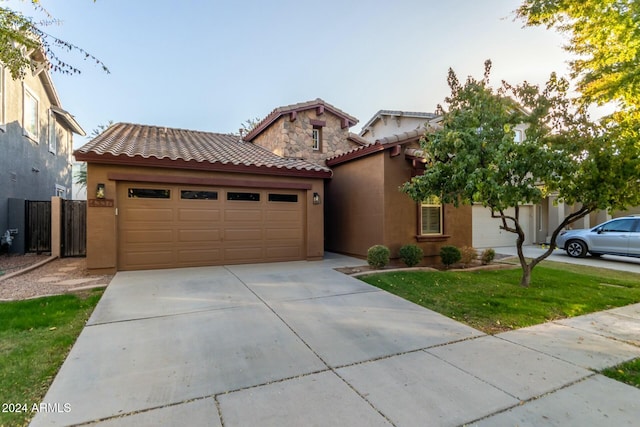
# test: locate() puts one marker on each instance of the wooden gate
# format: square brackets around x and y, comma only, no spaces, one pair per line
[74,228]
[38,226]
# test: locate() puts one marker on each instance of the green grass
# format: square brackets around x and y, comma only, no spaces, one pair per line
[493,301]
[35,337]
[628,373]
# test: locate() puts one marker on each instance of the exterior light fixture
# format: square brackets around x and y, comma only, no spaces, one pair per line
[100,191]
[316,198]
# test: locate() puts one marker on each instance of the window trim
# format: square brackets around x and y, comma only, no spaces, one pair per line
[316,138]
[26,93]
[53,135]
[431,204]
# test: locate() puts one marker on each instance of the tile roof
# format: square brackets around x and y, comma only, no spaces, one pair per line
[301,106]
[127,141]
[379,145]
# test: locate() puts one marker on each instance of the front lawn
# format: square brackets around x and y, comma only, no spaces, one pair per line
[35,338]
[493,301]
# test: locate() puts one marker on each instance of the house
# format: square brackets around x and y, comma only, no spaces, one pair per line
[163,198]
[365,207]
[486,230]
[36,136]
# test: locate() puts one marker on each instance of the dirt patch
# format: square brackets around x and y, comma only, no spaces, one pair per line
[59,276]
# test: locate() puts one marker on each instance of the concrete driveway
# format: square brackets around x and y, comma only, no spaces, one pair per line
[295,344]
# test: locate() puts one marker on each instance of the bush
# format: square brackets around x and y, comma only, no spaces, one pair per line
[487,256]
[449,255]
[411,255]
[378,256]
[468,254]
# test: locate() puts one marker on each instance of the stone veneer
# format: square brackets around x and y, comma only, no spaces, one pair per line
[289,139]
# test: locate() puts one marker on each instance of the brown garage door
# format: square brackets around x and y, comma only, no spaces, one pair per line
[182,226]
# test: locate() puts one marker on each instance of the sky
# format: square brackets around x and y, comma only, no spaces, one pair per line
[210,65]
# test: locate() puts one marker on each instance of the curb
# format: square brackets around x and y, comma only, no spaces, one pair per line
[28,269]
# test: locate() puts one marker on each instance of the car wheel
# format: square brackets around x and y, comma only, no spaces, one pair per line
[576,249]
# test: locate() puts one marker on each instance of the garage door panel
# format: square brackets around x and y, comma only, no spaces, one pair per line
[148,215]
[191,236]
[282,215]
[253,215]
[243,254]
[283,233]
[149,236]
[242,234]
[204,215]
[146,259]
[198,257]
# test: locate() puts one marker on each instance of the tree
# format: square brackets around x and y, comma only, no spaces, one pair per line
[81,174]
[473,156]
[605,35]
[21,35]
[248,125]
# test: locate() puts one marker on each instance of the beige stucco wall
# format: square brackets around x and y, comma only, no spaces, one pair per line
[294,138]
[387,126]
[102,223]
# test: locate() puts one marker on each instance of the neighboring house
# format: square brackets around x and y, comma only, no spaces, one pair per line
[36,139]
[177,198]
[486,230]
[391,122]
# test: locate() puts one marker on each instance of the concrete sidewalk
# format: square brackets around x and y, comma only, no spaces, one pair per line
[298,343]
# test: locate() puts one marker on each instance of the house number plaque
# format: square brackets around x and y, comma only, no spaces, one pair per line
[100,203]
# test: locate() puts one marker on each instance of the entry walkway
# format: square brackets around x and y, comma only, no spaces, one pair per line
[294,344]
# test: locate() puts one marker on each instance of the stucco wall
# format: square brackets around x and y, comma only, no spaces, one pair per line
[102,227]
[354,209]
[29,170]
[366,207]
[294,138]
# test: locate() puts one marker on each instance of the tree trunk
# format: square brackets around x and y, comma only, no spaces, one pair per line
[525,280]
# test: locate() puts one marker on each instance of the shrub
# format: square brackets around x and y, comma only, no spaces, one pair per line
[468,254]
[378,256]
[411,255]
[487,256]
[449,255]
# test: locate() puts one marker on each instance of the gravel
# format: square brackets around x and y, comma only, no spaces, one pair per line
[57,277]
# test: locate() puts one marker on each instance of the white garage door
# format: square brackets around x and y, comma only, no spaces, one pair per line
[488,234]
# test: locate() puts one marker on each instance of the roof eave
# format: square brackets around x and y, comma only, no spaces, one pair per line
[107,158]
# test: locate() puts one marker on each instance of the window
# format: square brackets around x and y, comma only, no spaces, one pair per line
[290,198]
[316,134]
[149,193]
[519,136]
[61,191]
[198,195]
[248,197]
[53,137]
[620,226]
[30,115]
[431,216]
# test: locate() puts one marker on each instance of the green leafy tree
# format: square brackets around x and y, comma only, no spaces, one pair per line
[81,174]
[21,35]
[605,36]
[472,157]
